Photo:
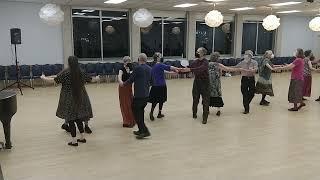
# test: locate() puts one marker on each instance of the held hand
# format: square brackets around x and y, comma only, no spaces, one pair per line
[43,76]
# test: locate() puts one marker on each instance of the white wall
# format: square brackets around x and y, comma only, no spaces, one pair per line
[41,43]
[295,33]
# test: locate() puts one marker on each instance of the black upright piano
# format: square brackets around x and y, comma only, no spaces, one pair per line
[8,107]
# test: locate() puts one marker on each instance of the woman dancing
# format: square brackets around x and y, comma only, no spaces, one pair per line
[264,83]
[125,94]
[74,103]
[307,75]
[215,69]
[158,92]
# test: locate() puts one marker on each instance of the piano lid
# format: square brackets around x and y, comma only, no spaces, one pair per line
[7,94]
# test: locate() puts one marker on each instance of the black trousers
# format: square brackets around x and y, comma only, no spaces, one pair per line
[72,126]
[247,90]
[138,106]
[201,88]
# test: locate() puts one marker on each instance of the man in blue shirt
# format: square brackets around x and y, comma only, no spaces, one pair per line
[141,77]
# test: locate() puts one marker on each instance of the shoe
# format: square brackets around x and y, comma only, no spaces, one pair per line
[137,133]
[127,126]
[151,117]
[87,130]
[264,103]
[304,99]
[195,116]
[293,109]
[72,144]
[8,146]
[143,135]
[245,112]
[301,105]
[160,116]
[82,140]
[218,113]
[65,127]
[318,99]
[204,121]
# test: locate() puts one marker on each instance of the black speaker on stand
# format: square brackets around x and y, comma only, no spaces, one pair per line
[16,39]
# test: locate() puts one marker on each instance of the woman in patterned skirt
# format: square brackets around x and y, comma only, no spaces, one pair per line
[74,103]
[307,75]
[215,69]
[125,94]
[264,83]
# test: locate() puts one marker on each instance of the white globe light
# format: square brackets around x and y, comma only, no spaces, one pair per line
[142,18]
[271,22]
[314,24]
[110,29]
[176,30]
[51,14]
[214,18]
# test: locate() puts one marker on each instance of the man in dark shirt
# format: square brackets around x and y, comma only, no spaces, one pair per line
[200,84]
[141,77]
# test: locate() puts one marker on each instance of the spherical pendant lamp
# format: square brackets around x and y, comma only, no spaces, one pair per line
[142,18]
[214,18]
[51,14]
[314,24]
[271,22]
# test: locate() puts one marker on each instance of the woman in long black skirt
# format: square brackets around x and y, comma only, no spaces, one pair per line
[74,103]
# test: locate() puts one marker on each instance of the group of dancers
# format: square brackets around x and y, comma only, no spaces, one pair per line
[75,107]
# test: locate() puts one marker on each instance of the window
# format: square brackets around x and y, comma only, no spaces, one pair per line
[256,38]
[165,35]
[100,35]
[151,38]
[115,33]
[218,39]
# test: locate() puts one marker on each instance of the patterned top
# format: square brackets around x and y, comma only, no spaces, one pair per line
[252,64]
[214,80]
[200,69]
[264,71]
[66,108]
[306,70]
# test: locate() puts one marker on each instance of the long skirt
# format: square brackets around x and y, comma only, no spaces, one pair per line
[158,94]
[216,102]
[307,86]
[295,94]
[125,99]
[264,87]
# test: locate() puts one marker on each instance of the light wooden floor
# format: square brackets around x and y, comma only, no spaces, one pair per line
[270,143]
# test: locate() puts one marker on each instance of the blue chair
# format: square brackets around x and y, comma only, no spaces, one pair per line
[117,67]
[109,67]
[57,68]
[12,72]
[100,69]
[83,67]
[48,70]
[91,69]
[25,73]
[36,72]
[3,75]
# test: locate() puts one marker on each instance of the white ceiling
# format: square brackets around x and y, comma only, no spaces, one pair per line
[203,6]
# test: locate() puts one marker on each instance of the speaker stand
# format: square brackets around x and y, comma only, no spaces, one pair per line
[18,79]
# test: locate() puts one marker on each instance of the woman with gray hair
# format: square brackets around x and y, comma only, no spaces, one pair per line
[264,83]
[215,69]
[125,93]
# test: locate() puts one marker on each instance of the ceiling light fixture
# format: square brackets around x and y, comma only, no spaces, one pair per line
[287,12]
[51,14]
[115,1]
[142,18]
[88,10]
[214,18]
[242,9]
[215,0]
[185,5]
[286,3]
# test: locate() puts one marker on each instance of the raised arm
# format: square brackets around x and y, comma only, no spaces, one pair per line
[48,79]
[229,69]
[311,67]
[120,76]
[289,66]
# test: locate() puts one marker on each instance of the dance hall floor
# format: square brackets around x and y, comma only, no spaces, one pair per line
[268,144]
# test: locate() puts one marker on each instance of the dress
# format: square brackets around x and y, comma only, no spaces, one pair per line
[158,92]
[125,99]
[264,83]
[66,107]
[215,85]
[295,93]
[307,78]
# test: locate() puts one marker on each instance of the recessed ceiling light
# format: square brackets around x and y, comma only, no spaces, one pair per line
[114,1]
[242,9]
[292,11]
[88,10]
[81,14]
[185,5]
[215,0]
[286,3]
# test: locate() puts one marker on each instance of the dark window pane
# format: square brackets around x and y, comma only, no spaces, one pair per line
[86,37]
[151,38]
[115,33]
[249,37]
[85,12]
[174,37]
[223,38]
[265,39]
[204,36]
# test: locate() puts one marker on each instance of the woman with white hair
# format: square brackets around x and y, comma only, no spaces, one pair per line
[249,68]
[264,83]
[125,93]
